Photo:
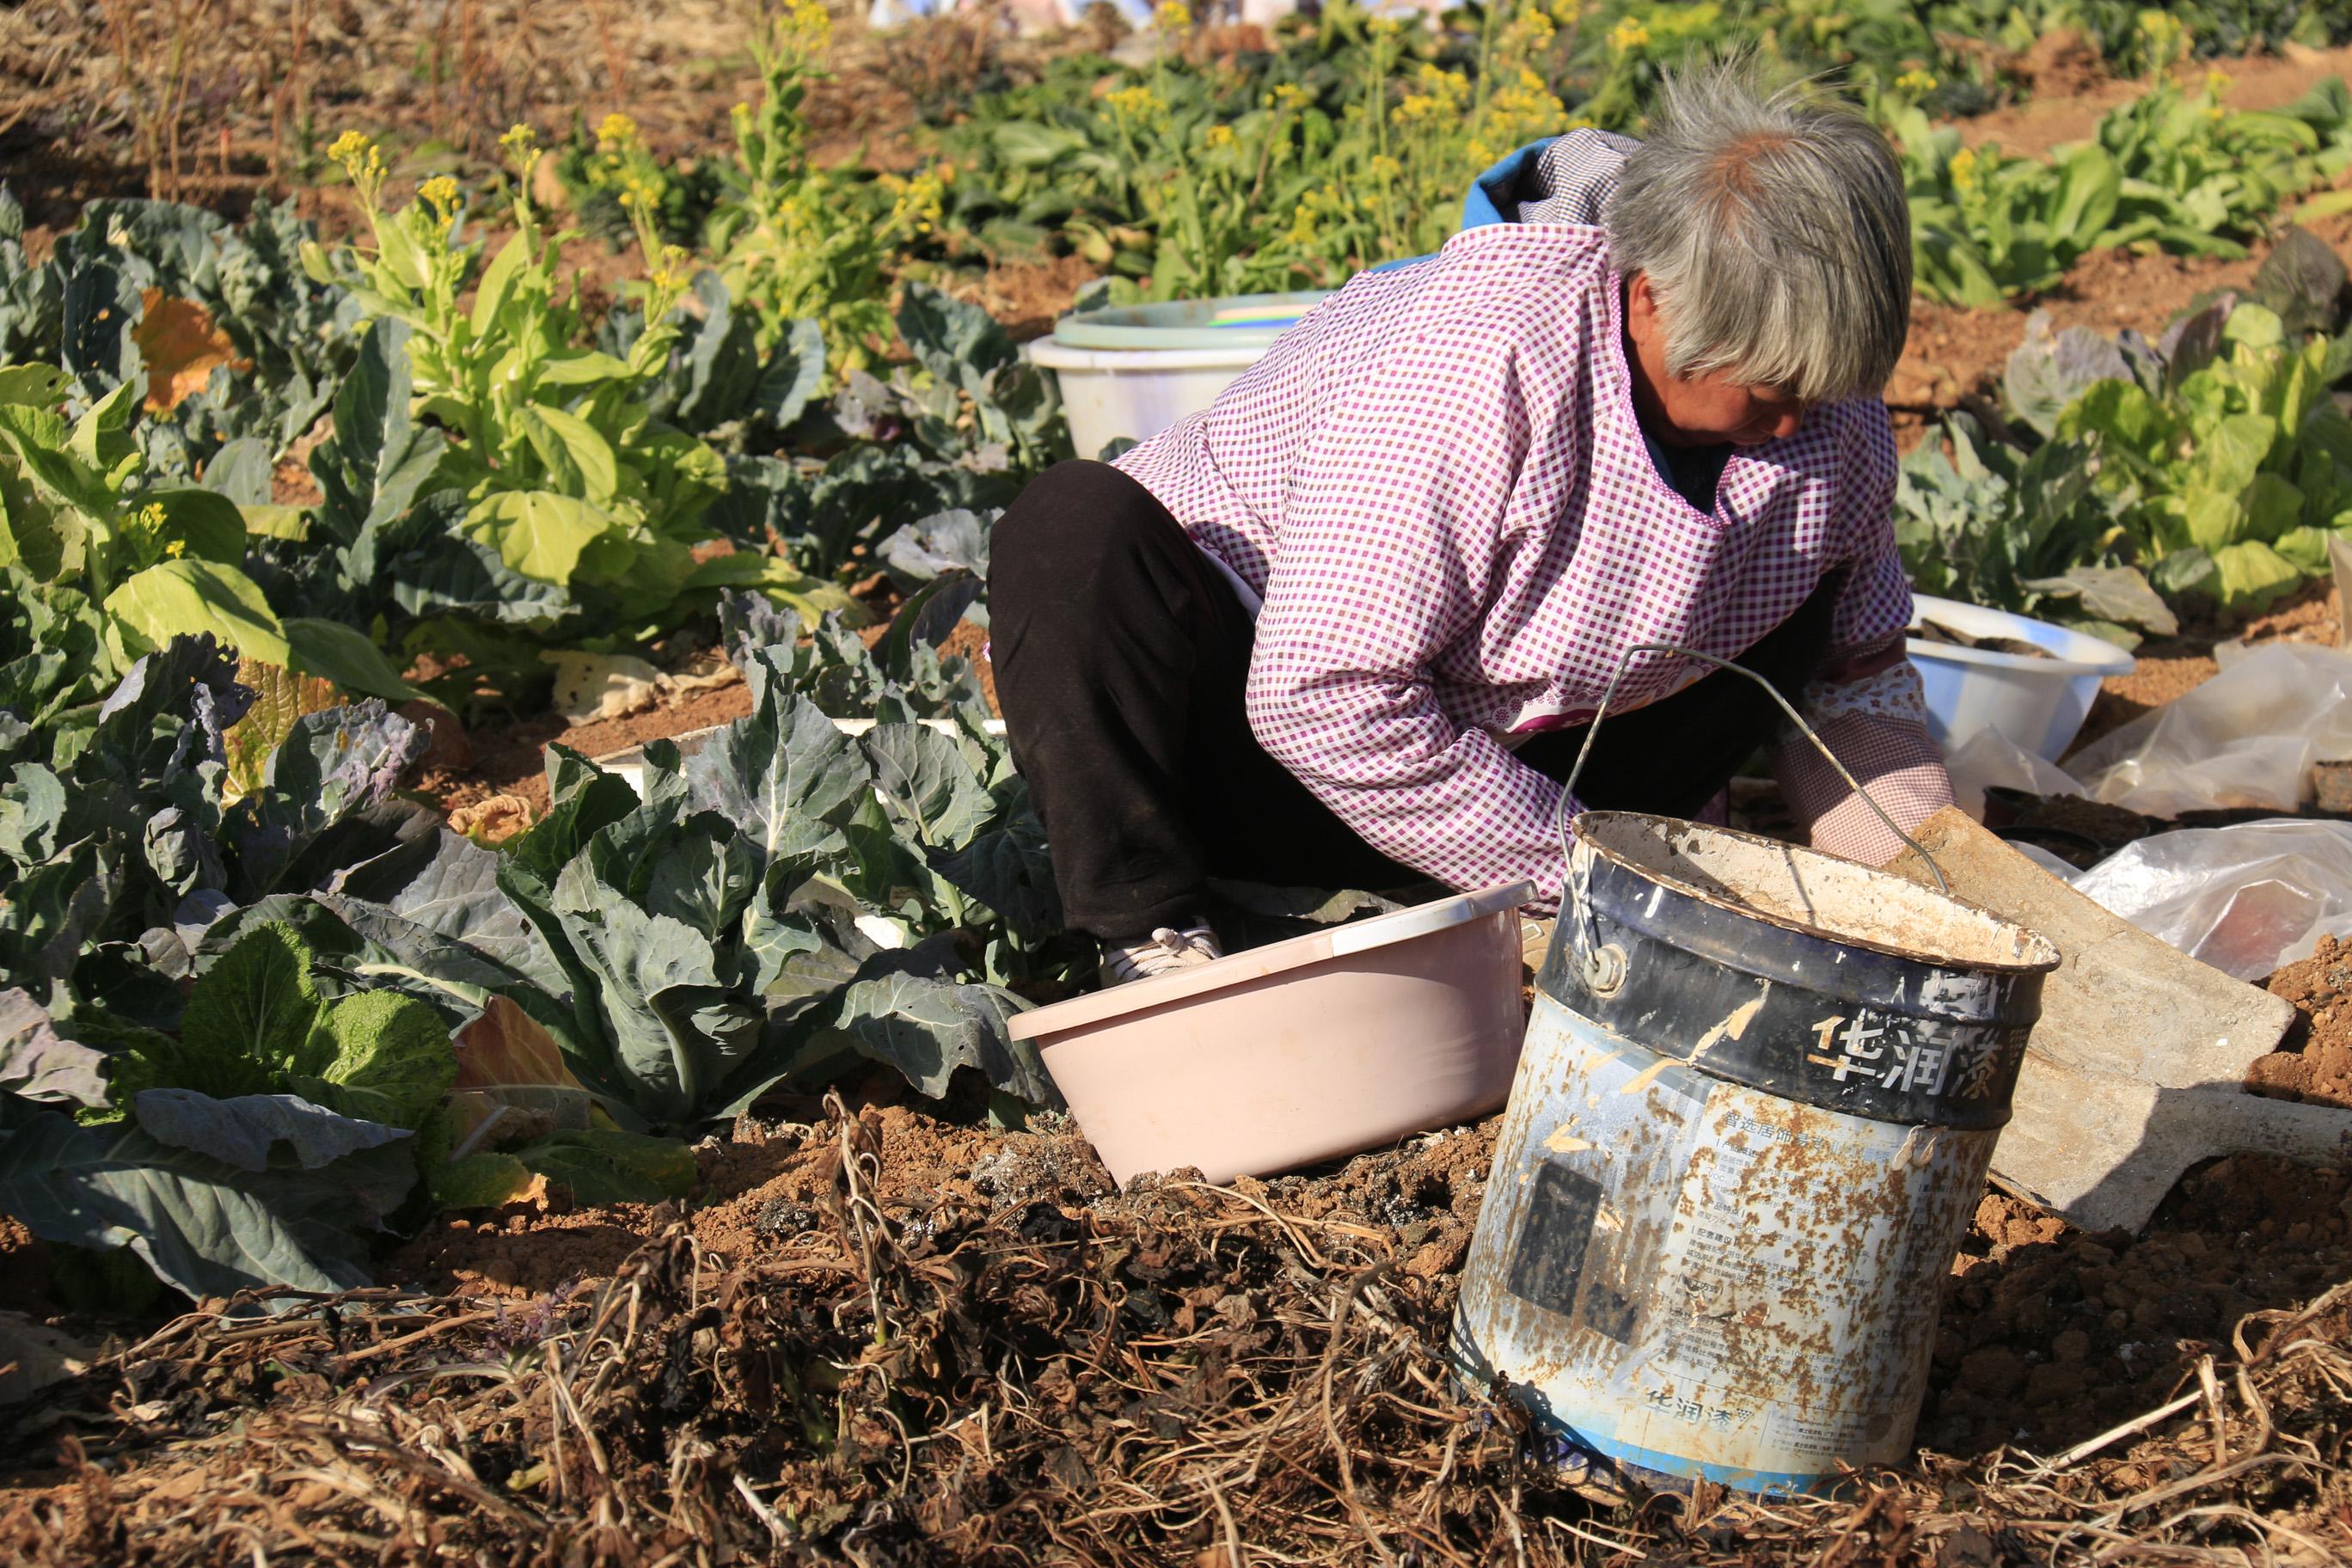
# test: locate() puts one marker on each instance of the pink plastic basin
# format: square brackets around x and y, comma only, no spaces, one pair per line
[1305,1050]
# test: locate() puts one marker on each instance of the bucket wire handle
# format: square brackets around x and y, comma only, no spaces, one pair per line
[1592,732]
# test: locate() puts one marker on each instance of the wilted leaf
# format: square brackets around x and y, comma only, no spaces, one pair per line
[511,1071]
[182,348]
[596,686]
[280,696]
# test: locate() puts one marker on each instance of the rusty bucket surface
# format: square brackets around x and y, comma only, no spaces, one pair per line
[1758,1092]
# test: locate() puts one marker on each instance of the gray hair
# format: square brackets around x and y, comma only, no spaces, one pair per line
[1774,231]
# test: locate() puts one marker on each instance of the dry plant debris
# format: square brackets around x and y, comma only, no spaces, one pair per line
[1020,1367]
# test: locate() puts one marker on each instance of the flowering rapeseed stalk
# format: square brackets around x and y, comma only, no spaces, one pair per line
[1963,170]
[2163,39]
[362,162]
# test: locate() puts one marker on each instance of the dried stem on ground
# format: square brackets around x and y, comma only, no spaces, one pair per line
[1181,1373]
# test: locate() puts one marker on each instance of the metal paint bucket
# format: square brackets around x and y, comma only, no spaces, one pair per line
[1751,1119]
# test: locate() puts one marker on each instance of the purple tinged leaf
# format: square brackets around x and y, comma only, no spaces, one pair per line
[244,1129]
[38,1064]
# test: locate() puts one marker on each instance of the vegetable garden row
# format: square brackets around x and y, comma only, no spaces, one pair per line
[260,488]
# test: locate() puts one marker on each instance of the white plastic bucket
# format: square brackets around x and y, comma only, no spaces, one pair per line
[1130,372]
[2039,703]
[1301,1050]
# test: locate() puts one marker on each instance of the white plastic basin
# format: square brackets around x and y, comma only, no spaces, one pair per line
[1129,374]
[1304,1050]
[2039,703]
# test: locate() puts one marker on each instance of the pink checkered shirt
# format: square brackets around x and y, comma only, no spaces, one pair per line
[1436,486]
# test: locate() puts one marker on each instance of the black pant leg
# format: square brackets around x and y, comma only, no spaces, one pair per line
[1673,755]
[1104,622]
[1121,657]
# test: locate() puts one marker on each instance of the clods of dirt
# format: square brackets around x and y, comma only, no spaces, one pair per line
[2051,1335]
[2314,1063]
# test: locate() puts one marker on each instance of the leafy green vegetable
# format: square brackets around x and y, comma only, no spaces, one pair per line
[205,1225]
[2246,461]
[116,852]
[2027,534]
[255,1024]
[709,931]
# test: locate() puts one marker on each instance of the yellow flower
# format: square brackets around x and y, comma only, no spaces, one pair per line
[1531,33]
[1566,11]
[639,190]
[1964,169]
[1446,87]
[1628,35]
[175,549]
[1221,137]
[1138,101]
[807,26]
[362,160]
[1290,96]
[521,144]
[440,194]
[1915,81]
[669,274]
[2216,82]
[616,132]
[920,205]
[1384,26]
[1387,170]
[2165,35]
[1172,16]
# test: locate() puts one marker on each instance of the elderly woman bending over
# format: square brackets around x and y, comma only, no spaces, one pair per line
[1346,627]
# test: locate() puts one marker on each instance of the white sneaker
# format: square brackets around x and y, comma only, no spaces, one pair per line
[1169,951]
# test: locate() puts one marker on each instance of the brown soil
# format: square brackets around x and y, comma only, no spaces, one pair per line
[1028,297]
[2051,1335]
[960,1346]
[2067,106]
[510,756]
[767,1185]
[2314,1063]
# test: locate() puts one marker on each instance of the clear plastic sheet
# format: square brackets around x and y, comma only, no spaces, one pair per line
[2245,899]
[1990,760]
[2247,738]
